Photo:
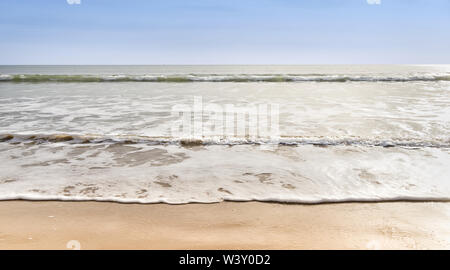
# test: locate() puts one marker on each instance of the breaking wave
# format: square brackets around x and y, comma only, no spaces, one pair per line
[220,140]
[36,78]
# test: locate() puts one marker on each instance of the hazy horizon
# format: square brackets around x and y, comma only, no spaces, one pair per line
[155,65]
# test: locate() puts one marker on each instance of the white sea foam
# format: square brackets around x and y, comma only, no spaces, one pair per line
[172,174]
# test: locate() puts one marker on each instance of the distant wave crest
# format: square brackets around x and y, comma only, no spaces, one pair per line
[36,78]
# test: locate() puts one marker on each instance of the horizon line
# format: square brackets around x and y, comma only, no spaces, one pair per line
[330,64]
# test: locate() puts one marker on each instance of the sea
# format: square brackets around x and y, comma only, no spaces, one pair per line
[206,134]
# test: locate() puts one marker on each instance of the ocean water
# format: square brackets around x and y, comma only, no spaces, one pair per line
[180,134]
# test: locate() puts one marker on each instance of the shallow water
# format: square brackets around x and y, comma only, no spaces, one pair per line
[347,133]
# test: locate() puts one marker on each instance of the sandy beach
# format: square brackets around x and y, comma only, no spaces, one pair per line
[227,225]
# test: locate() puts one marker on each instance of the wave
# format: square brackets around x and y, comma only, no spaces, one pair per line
[37,78]
[117,170]
[220,140]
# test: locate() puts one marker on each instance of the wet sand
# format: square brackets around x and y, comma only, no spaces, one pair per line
[228,225]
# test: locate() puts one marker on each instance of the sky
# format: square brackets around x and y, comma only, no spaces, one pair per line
[224,32]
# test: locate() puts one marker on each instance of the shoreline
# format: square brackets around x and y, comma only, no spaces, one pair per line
[306,203]
[225,225]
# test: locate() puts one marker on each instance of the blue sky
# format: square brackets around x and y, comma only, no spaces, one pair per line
[224,32]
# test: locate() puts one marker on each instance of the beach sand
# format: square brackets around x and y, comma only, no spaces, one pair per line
[227,225]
